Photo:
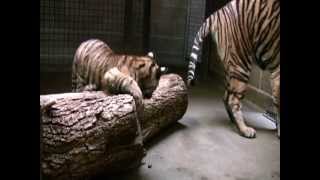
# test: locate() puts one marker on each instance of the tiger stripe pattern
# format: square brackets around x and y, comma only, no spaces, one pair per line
[94,58]
[96,67]
[245,32]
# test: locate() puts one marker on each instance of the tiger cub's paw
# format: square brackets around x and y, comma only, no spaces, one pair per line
[90,87]
[248,132]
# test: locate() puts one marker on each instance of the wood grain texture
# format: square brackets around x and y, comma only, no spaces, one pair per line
[84,134]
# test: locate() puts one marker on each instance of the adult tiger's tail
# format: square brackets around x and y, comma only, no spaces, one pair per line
[196,48]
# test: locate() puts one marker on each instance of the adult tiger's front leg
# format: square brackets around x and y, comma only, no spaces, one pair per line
[234,93]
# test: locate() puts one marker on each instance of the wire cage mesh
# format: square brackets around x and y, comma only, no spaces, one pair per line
[64,24]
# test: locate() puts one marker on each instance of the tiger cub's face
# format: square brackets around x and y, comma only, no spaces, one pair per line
[149,74]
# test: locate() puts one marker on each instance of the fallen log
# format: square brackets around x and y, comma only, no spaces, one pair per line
[84,134]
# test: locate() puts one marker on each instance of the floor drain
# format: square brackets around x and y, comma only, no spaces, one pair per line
[272,116]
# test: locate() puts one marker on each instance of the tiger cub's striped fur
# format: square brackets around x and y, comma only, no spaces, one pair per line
[97,67]
[94,58]
[245,32]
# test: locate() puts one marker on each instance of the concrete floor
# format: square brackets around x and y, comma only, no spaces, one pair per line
[203,145]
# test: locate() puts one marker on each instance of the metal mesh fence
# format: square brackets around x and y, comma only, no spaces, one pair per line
[195,18]
[64,24]
[122,24]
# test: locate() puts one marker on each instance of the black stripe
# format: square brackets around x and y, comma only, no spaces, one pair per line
[82,47]
[150,70]
[239,77]
[267,45]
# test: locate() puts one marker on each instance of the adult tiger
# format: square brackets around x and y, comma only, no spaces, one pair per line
[245,31]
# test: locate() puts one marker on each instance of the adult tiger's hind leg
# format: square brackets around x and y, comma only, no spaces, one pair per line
[233,95]
[275,85]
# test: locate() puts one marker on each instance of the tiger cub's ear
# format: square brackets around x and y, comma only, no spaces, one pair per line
[150,54]
[163,70]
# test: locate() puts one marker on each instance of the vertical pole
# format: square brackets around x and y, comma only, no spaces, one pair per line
[40,145]
[127,25]
[207,44]
[187,33]
[146,24]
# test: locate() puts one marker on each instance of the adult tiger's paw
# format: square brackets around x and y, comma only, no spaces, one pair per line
[248,132]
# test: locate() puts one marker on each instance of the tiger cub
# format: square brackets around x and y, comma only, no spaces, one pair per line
[97,68]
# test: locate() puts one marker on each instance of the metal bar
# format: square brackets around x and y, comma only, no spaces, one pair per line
[186,32]
[146,25]
[127,24]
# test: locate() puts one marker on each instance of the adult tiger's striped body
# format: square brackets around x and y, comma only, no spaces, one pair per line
[245,31]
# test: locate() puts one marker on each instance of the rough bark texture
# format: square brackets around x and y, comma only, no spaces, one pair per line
[84,134]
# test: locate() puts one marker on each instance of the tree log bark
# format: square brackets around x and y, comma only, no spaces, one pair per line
[84,134]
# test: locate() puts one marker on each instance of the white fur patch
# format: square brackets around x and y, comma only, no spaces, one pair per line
[150,54]
[191,74]
[194,55]
[195,47]
[192,65]
[112,74]
[163,69]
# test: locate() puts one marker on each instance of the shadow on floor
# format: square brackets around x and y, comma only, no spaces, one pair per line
[135,173]
[165,133]
[203,144]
